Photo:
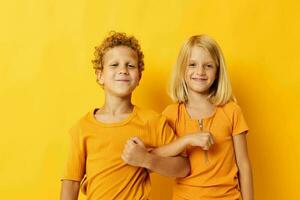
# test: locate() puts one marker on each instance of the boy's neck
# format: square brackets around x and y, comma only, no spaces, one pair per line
[117,105]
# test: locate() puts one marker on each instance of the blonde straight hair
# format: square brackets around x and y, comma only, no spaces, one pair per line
[220,92]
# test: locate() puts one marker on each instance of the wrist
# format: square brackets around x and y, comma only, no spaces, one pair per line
[186,140]
[148,161]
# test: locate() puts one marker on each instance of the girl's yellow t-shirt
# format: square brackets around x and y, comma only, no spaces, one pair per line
[214,173]
[95,154]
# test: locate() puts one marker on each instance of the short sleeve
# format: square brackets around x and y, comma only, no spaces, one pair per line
[171,113]
[239,124]
[160,132]
[75,165]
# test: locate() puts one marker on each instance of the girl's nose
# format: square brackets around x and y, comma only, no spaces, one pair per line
[200,70]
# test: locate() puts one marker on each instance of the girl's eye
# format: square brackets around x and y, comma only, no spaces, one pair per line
[209,65]
[192,64]
[114,64]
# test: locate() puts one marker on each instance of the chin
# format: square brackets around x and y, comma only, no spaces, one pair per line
[201,90]
[123,93]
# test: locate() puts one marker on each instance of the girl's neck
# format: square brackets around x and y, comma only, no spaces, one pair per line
[198,101]
[199,106]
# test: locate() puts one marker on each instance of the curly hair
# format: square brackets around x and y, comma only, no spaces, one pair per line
[115,39]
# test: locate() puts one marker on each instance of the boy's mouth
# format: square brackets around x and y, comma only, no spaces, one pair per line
[123,80]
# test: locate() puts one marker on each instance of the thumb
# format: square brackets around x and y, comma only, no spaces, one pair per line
[138,141]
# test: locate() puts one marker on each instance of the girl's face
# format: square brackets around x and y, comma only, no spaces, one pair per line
[120,74]
[201,71]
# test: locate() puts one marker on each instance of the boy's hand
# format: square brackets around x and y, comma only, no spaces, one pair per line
[135,152]
[203,140]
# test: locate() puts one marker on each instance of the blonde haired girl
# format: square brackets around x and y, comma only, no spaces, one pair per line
[210,125]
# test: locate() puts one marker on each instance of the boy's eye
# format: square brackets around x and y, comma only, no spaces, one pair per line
[131,65]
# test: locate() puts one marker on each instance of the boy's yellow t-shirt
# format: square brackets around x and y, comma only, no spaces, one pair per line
[214,174]
[96,149]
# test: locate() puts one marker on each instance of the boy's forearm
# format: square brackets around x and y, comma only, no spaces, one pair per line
[69,190]
[172,149]
[167,166]
[246,182]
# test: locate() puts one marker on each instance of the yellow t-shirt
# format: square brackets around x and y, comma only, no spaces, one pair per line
[214,174]
[96,149]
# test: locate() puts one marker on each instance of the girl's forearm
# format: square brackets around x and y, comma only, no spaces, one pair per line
[246,182]
[69,190]
[172,149]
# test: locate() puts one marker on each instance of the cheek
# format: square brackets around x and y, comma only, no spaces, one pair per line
[136,76]
[214,74]
[188,74]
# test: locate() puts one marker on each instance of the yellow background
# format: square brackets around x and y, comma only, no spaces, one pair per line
[47,81]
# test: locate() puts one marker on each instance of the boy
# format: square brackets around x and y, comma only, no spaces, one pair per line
[97,140]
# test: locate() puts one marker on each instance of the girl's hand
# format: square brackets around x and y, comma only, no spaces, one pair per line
[203,140]
[135,152]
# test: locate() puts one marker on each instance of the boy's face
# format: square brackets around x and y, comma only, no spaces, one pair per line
[120,74]
[201,71]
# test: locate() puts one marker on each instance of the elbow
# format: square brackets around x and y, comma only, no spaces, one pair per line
[185,169]
[185,172]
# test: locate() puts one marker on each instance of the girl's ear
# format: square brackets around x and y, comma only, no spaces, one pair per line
[99,76]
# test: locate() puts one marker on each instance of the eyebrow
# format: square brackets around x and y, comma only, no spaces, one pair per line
[210,62]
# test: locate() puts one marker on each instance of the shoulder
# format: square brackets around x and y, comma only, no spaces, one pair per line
[82,122]
[232,110]
[231,107]
[147,115]
[171,110]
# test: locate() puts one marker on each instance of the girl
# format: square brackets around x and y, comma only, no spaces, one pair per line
[220,169]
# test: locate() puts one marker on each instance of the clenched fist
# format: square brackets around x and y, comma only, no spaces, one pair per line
[203,140]
[135,152]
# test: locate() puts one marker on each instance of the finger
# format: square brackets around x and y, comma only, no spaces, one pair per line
[138,141]
[131,141]
[211,139]
[124,159]
[208,144]
[205,148]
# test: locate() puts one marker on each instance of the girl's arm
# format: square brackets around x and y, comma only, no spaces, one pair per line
[243,162]
[69,190]
[160,160]
[203,140]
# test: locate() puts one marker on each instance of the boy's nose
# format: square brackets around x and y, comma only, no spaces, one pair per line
[123,69]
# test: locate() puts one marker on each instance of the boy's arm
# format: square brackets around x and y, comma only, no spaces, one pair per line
[177,166]
[136,154]
[69,190]
[243,162]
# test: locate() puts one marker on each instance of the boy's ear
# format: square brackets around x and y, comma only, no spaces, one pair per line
[99,76]
[140,77]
